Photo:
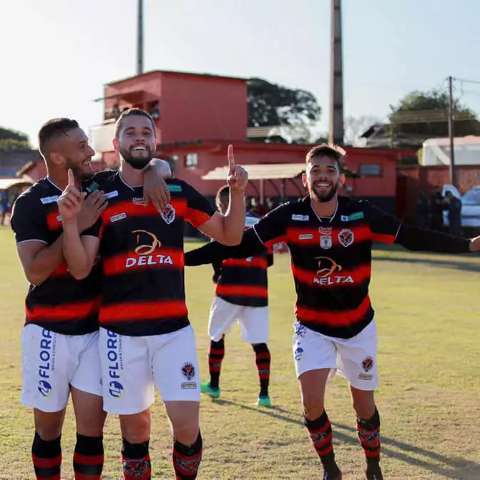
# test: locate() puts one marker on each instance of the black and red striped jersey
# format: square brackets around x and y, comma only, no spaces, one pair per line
[244,281]
[330,260]
[60,303]
[143,291]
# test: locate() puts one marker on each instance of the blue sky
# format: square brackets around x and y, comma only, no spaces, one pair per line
[58,54]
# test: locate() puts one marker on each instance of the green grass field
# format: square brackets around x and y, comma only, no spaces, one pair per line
[428,313]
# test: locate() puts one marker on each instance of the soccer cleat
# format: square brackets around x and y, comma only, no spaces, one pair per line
[264,401]
[210,391]
[373,471]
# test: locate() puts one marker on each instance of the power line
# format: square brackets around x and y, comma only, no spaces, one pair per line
[466,80]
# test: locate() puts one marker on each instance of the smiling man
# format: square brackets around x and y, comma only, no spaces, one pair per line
[330,240]
[146,339]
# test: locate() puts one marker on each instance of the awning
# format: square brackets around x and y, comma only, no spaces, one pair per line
[6,183]
[264,171]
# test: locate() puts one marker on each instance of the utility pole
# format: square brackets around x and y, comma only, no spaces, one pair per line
[140,38]
[336,132]
[453,176]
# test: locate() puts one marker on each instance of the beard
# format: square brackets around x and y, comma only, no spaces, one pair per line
[324,197]
[82,173]
[136,161]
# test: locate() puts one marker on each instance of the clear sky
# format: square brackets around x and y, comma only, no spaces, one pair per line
[58,54]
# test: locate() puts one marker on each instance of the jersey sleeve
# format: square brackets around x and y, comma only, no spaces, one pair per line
[28,221]
[198,209]
[384,226]
[272,227]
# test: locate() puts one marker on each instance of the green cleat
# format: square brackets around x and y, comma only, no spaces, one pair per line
[264,401]
[210,391]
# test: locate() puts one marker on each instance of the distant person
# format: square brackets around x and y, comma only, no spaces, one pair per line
[422,211]
[437,205]
[241,295]
[4,206]
[330,238]
[454,209]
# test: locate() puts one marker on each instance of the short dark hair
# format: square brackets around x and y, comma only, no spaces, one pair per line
[328,150]
[54,128]
[222,192]
[131,112]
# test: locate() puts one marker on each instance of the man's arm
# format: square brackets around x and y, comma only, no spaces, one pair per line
[79,251]
[416,238]
[155,189]
[228,229]
[216,252]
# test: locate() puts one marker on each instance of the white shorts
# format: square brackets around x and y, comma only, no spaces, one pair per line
[253,321]
[133,366]
[355,358]
[52,362]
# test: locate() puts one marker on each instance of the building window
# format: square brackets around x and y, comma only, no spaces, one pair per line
[370,170]
[191,160]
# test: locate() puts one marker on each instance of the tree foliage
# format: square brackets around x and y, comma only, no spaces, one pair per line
[295,111]
[13,140]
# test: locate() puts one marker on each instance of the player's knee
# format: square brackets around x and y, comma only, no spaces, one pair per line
[186,432]
[313,406]
[136,428]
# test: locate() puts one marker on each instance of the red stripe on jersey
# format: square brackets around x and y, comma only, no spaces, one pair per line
[129,262]
[241,291]
[255,262]
[196,217]
[383,238]
[133,209]
[142,311]
[338,277]
[65,311]
[53,222]
[334,318]
[60,271]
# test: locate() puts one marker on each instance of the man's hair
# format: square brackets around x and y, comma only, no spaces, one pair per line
[327,150]
[131,112]
[54,128]
[222,192]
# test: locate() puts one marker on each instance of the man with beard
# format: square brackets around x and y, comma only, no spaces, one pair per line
[60,337]
[330,239]
[145,337]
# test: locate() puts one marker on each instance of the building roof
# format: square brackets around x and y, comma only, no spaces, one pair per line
[6,183]
[260,171]
[176,73]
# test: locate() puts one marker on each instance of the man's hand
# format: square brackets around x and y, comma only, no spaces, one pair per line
[91,210]
[237,178]
[155,189]
[475,244]
[70,201]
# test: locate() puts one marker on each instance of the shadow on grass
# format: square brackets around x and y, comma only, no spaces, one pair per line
[455,468]
[467,267]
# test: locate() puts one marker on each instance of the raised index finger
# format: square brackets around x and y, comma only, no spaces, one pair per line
[231,158]
[71,178]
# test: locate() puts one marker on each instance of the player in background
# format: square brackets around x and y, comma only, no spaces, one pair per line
[146,339]
[241,294]
[330,239]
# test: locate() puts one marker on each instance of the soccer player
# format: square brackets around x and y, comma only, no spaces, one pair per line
[241,294]
[59,340]
[145,337]
[330,239]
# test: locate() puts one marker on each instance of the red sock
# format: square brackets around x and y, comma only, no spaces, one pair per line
[369,436]
[88,458]
[47,458]
[186,460]
[136,461]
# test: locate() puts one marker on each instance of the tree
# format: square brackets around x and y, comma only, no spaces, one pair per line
[13,140]
[293,112]
[355,126]
[425,114]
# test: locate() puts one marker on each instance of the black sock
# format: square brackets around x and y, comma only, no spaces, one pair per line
[320,431]
[136,461]
[262,359]
[186,460]
[369,436]
[88,457]
[47,458]
[215,357]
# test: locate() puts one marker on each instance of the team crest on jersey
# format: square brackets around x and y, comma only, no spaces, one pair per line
[345,237]
[188,370]
[325,237]
[367,364]
[168,214]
